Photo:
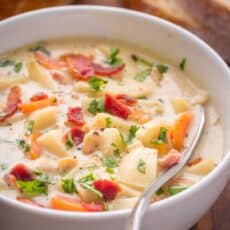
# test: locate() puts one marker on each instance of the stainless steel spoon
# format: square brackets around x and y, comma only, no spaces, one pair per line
[135,218]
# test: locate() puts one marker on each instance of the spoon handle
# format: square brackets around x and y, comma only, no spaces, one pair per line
[134,220]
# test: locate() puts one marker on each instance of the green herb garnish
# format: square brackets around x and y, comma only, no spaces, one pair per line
[97,83]
[40,48]
[18,67]
[108,121]
[162,137]
[160,191]
[96,106]
[68,185]
[137,58]
[87,183]
[110,170]
[182,64]
[173,190]
[24,146]
[69,142]
[142,98]
[109,162]
[162,68]
[142,75]
[141,166]
[32,188]
[132,133]
[113,60]
[3,166]
[30,127]
[6,62]
[117,153]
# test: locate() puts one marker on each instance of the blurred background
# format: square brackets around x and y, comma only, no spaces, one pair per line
[209,19]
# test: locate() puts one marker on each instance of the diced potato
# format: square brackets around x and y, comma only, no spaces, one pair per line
[179,104]
[40,75]
[44,118]
[66,164]
[101,121]
[46,165]
[92,141]
[111,141]
[134,145]
[124,203]
[129,191]
[6,81]
[87,196]
[139,167]
[81,87]
[204,167]
[52,142]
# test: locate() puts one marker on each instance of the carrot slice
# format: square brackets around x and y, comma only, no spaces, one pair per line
[35,105]
[67,204]
[35,148]
[180,129]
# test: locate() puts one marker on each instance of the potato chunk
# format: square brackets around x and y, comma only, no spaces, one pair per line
[6,81]
[40,75]
[52,142]
[179,104]
[139,167]
[44,118]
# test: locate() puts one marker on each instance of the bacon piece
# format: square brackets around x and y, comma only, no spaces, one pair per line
[35,148]
[116,107]
[77,135]
[48,62]
[13,100]
[108,188]
[39,96]
[61,78]
[124,98]
[21,172]
[93,207]
[171,159]
[30,202]
[80,66]
[107,71]
[75,116]
[194,161]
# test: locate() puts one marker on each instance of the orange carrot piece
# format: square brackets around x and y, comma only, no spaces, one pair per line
[35,150]
[35,105]
[67,204]
[180,129]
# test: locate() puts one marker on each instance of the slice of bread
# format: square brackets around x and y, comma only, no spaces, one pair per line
[178,12]
[213,13]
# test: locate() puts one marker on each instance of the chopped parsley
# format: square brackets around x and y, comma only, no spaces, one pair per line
[24,146]
[173,190]
[142,75]
[6,62]
[3,166]
[42,177]
[141,166]
[108,121]
[132,133]
[87,183]
[110,170]
[160,191]
[137,58]
[97,83]
[69,142]
[162,68]
[18,67]
[32,188]
[40,48]
[182,64]
[109,162]
[117,153]
[68,185]
[30,127]
[96,106]
[113,58]
[160,100]
[162,137]
[142,98]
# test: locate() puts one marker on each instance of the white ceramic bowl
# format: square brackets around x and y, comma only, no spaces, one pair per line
[203,65]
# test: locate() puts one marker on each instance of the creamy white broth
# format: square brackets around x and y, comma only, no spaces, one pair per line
[153,106]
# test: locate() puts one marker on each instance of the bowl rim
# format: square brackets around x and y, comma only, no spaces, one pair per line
[142,16]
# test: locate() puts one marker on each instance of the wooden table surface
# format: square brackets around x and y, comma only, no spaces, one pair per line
[218,217]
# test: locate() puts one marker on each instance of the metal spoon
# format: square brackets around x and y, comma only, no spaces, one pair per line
[135,218]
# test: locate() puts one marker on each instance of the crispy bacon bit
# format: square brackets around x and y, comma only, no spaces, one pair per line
[194,161]
[75,116]
[10,180]
[35,148]
[107,71]
[48,62]
[80,66]
[93,207]
[21,172]
[30,202]
[116,107]
[13,100]
[77,135]
[39,96]
[170,160]
[108,188]
[124,98]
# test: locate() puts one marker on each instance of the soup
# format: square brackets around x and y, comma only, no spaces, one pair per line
[87,125]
